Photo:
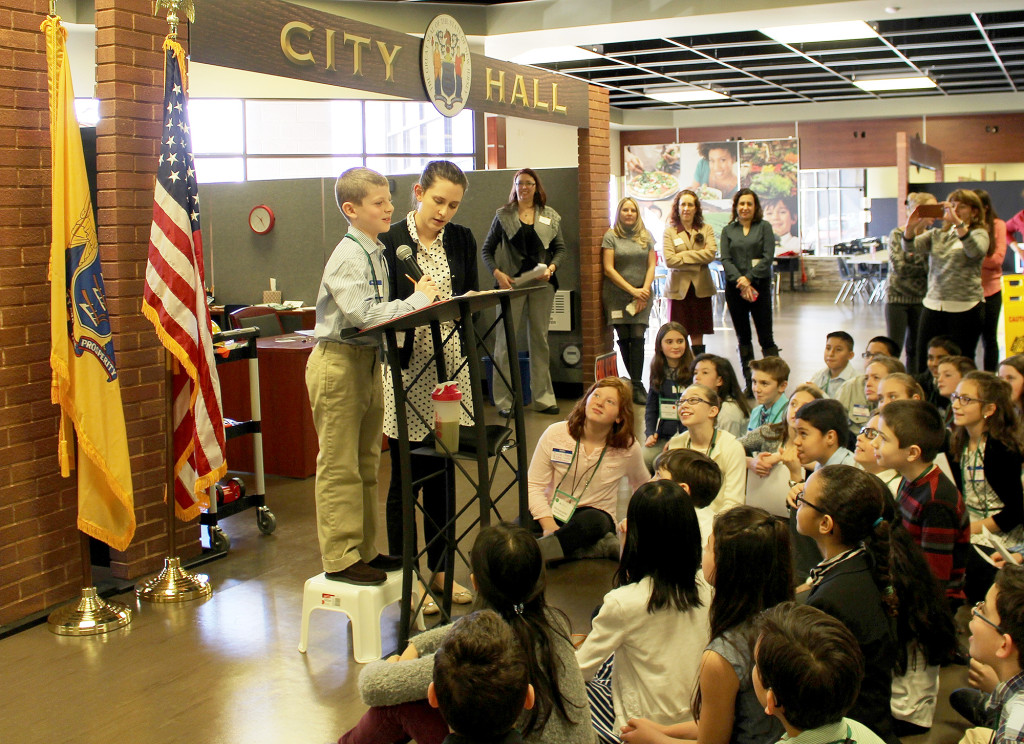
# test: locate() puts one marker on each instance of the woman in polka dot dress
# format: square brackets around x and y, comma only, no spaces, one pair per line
[446,252]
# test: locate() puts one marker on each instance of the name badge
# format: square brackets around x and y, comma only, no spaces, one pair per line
[544,220]
[563,505]
[561,456]
[677,241]
[616,315]
[977,473]
[860,411]
[667,409]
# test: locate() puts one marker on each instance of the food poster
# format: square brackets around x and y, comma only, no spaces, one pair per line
[769,168]
[656,173]
[715,171]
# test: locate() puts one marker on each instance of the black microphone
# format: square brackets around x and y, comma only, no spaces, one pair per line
[404,254]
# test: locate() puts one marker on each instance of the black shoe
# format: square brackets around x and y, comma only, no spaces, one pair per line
[505,413]
[549,411]
[970,703]
[386,562]
[358,573]
[639,396]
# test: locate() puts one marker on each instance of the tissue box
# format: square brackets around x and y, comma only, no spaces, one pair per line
[272,296]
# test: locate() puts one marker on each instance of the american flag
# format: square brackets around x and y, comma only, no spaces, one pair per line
[175,302]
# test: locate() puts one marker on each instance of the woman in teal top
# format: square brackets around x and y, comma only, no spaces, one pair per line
[748,249]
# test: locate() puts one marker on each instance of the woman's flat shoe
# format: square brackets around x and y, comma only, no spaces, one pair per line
[462,596]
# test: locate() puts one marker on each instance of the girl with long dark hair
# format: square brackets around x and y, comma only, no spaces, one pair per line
[643,652]
[841,509]
[747,560]
[510,578]
[669,376]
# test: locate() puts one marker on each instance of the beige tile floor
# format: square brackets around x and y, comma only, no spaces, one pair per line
[227,669]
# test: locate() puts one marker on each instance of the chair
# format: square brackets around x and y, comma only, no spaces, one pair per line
[260,317]
[362,604]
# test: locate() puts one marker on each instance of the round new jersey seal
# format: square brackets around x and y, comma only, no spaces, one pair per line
[446,65]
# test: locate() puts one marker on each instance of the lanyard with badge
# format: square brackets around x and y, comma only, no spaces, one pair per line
[378,285]
[974,474]
[668,408]
[563,505]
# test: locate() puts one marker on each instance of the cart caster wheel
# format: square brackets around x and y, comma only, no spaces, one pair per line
[266,520]
[219,540]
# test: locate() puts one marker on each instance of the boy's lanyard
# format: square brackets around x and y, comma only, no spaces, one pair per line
[563,505]
[378,286]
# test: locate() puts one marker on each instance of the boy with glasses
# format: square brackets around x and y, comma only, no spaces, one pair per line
[909,436]
[997,631]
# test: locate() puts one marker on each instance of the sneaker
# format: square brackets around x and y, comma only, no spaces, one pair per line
[359,573]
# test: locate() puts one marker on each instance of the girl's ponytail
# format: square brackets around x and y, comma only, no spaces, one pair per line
[855,502]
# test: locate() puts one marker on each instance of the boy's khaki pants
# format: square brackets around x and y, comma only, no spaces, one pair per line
[346,394]
[977,735]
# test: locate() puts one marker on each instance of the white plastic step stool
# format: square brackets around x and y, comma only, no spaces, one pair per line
[362,604]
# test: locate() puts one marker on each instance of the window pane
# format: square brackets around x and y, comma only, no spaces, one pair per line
[269,169]
[326,127]
[216,126]
[412,165]
[219,170]
[407,126]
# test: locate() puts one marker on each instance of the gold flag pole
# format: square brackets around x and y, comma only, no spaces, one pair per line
[91,614]
[173,583]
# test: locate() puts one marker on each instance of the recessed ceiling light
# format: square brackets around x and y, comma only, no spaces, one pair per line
[547,55]
[910,82]
[688,94]
[835,31]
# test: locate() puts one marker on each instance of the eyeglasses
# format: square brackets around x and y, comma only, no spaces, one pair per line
[965,400]
[869,433]
[977,611]
[801,499]
[526,184]
[868,354]
[693,401]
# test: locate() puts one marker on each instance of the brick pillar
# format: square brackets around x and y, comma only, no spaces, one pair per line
[129,86]
[594,173]
[39,544]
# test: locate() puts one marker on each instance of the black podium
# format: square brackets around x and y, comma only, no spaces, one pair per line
[478,444]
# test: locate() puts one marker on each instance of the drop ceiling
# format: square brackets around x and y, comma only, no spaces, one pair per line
[969,53]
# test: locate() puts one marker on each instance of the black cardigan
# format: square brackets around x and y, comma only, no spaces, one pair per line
[849,594]
[460,248]
[1002,472]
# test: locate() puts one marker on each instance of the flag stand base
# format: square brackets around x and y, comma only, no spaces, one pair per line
[91,615]
[174,584]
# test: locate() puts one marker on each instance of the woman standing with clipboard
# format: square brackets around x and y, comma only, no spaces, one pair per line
[575,472]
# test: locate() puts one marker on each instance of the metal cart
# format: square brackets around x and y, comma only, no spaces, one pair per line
[265,519]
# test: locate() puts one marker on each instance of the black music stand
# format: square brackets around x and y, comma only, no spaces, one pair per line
[478,443]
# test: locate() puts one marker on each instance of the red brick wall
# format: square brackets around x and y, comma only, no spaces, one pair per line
[129,84]
[594,174]
[39,545]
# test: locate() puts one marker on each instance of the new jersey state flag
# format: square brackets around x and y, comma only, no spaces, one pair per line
[84,374]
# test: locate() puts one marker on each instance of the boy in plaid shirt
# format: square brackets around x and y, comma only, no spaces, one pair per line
[909,436]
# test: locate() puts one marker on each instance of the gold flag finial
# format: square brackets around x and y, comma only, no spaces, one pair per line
[186,7]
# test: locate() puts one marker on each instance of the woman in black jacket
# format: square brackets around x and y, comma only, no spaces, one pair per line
[748,250]
[446,252]
[524,248]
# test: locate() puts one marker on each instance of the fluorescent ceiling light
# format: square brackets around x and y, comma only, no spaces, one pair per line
[837,31]
[910,82]
[683,95]
[547,55]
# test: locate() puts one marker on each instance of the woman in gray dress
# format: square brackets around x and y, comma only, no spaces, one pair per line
[629,259]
